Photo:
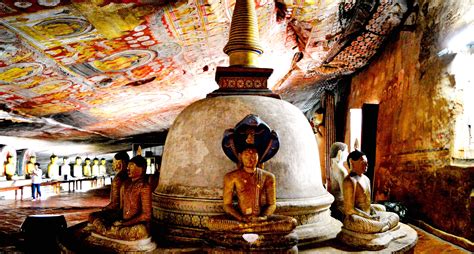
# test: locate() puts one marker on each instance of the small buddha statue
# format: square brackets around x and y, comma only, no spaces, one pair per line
[253,189]
[10,167]
[103,167]
[53,168]
[95,167]
[30,166]
[338,154]
[364,223]
[130,220]
[65,169]
[86,169]
[77,167]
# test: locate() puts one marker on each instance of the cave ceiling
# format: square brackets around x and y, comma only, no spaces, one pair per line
[108,70]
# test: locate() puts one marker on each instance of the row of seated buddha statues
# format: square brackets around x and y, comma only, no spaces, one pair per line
[365,225]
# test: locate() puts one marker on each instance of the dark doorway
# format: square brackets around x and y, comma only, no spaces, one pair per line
[369,136]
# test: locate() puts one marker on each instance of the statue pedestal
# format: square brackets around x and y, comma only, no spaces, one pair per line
[378,241]
[78,239]
[229,242]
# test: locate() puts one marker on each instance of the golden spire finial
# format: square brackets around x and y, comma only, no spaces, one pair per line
[243,47]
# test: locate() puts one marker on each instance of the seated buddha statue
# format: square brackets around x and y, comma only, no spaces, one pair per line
[86,169]
[95,167]
[255,192]
[338,154]
[130,220]
[30,166]
[359,214]
[53,168]
[103,167]
[77,168]
[10,167]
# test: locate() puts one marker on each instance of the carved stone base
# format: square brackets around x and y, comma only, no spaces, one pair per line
[78,239]
[378,241]
[263,242]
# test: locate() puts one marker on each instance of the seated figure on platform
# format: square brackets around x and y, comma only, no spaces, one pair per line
[65,168]
[86,169]
[119,165]
[359,214]
[10,167]
[77,168]
[256,198]
[365,225]
[338,154]
[130,221]
[53,168]
[30,166]
[103,167]
[253,187]
[95,167]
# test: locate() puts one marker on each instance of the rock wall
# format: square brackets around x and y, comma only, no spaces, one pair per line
[417,107]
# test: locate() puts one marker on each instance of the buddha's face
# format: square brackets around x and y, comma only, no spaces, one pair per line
[33,160]
[249,159]
[9,160]
[88,162]
[360,166]
[117,165]
[54,159]
[96,162]
[102,162]
[134,171]
[78,161]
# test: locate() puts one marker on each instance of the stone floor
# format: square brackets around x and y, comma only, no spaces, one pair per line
[76,206]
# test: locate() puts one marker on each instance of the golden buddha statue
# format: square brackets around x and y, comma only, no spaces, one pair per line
[10,167]
[86,169]
[30,166]
[131,220]
[250,144]
[77,167]
[256,198]
[359,214]
[95,167]
[53,168]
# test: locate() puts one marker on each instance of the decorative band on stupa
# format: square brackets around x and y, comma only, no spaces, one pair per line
[244,47]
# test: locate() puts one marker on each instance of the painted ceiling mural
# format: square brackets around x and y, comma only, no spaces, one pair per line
[111,69]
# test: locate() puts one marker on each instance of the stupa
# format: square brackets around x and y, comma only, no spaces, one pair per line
[193,165]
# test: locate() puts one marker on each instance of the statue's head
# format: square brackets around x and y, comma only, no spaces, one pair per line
[339,151]
[65,160]
[103,161]
[95,161]
[78,160]
[136,167]
[120,161]
[33,159]
[357,162]
[53,158]
[88,161]
[249,158]
[9,159]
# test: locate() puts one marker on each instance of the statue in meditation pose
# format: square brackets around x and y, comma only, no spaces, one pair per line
[30,166]
[53,168]
[77,168]
[338,154]
[119,165]
[86,169]
[132,218]
[103,167]
[95,167]
[250,144]
[10,167]
[359,214]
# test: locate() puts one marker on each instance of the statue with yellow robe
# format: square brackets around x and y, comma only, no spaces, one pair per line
[10,167]
[251,143]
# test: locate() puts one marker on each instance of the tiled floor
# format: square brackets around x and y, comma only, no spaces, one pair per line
[76,207]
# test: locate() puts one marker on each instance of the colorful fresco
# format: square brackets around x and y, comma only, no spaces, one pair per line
[114,68]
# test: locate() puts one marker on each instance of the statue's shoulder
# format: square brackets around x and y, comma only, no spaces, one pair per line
[233,173]
[266,174]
